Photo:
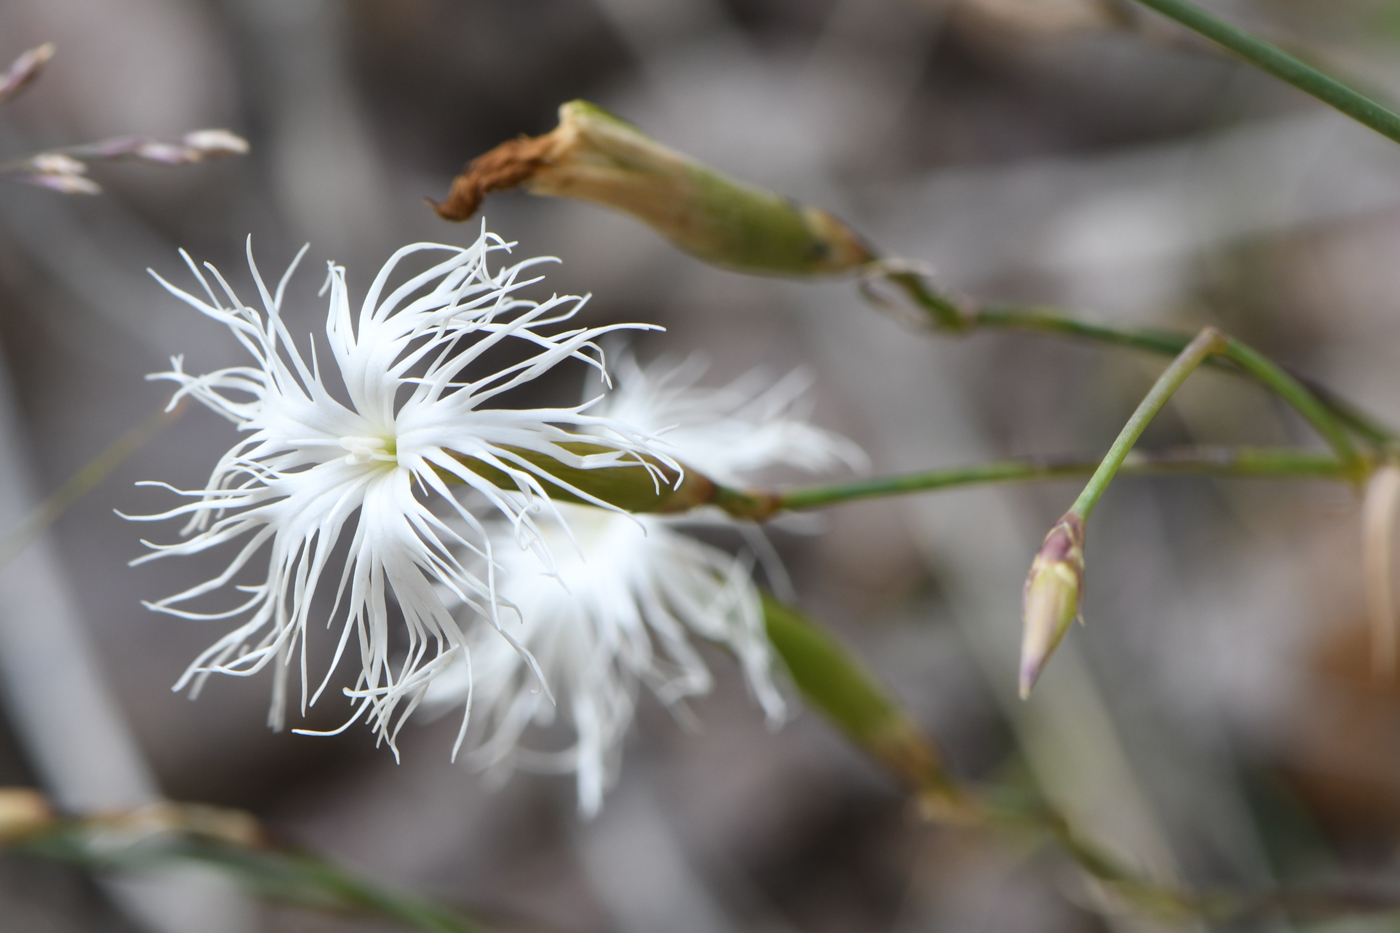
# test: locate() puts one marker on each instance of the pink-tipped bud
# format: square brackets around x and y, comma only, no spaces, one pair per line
[23,71]
[1052,597]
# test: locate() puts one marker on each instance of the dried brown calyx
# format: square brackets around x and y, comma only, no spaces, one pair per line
[597,157]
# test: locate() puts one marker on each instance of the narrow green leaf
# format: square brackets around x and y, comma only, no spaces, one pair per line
[294,878]
[840,687]
[1281,65]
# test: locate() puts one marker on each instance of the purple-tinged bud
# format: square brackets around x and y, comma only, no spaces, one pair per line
[23,71]
[190,148]
[214,143]
[118,147]
[166,153]
[55,163]
[1054,590]
[56,171]
[63,183]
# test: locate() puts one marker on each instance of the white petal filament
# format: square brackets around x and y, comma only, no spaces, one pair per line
[379,474]
[620,606]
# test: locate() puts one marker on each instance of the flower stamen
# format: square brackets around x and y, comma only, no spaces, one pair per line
[365,449]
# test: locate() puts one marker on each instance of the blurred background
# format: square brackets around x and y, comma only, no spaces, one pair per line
[1216,722]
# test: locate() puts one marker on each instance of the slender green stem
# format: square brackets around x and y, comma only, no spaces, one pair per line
[1210,342]
[1054,586]
[842,689]
[1349,414]
[318,883]
[1325,406]
[634,489]
[836,684]
[945,313]
[1054,321]
[1239,462]
[167,834]
[1295,394]
[1281,65]
[83,481]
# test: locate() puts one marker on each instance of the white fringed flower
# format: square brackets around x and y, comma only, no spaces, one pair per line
[314,471]
[734,434]
[619,608]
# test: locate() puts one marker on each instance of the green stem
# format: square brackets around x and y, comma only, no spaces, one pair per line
[1349,414]
[1053,321]
[1054,585]
[1210,342]
[83,481]
[1293,392]
[633,489]
[1253,462]
[840,688]
[1328,412]
[281,876]
[300,879]
[1281,65]
[945,313]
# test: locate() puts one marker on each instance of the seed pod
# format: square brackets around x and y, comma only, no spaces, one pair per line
[595,156]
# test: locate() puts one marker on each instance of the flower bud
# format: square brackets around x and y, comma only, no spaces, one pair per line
[59,172]
[216,142]
[55,163]
[595,156]
[190,148]
[23,71]
[63,184]
[163,153]
[1052,597]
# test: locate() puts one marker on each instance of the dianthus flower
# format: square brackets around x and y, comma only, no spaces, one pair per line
[626,593]
[384,468]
